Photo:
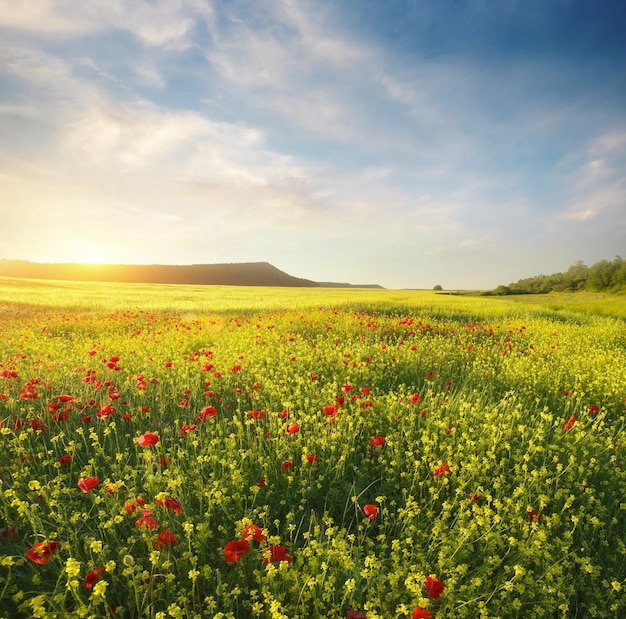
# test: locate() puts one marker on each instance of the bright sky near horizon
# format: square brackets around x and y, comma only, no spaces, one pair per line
[408,143]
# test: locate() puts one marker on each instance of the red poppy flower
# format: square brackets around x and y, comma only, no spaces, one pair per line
[277,553]
[292,428]
[284,414]
[570,423]
[346,388]
[170,503]
[331,410]
[147,520]
[365,390]
[340,400]
[534,515]
[311,458]
[60,416]
[254,532]
[355,614]
[594,409]
[421,613]
[233,551]
[188,427]
[132,504]
[415,398]
[287,465]
[441,470]
[377,441]
[106,411]
[434,587]
[370,511]
[65,459]
[166,538]
[42,552]
[92,577]
[148,439]
[88,483]
[256,414]
[207,411]
[261,483]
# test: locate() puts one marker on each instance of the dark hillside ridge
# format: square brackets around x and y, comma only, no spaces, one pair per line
[228,274]
[345,285]
[232,274]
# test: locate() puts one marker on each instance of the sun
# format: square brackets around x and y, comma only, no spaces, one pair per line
[90,254]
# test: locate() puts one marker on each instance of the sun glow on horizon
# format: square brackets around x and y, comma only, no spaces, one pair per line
[92,254]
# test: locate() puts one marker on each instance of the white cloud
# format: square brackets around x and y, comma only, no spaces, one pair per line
[299,134]
[156,22]
[599,180]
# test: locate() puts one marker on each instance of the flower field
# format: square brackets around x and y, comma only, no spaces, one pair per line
[232,453]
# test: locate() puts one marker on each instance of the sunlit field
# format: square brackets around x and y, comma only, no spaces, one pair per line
[190,452]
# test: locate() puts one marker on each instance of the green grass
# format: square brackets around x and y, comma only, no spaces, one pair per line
[594,303]
[523,401]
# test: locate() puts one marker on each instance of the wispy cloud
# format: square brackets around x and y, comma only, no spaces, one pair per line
[166,23]
[599,180]
[337,137]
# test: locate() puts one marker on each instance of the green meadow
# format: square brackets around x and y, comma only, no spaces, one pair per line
[189,452]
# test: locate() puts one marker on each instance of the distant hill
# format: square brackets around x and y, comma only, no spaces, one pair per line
[344,285]
[233,274]
[228,274]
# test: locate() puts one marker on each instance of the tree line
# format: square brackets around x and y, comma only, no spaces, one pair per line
[603,276]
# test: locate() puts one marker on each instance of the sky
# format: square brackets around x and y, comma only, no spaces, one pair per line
[406,143]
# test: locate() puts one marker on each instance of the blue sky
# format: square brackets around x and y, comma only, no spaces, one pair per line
[407,143]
